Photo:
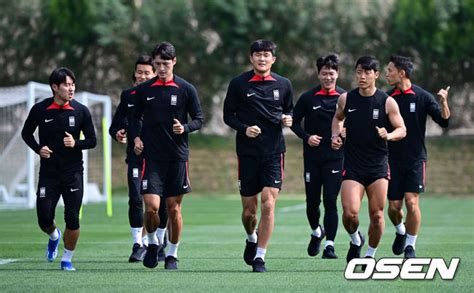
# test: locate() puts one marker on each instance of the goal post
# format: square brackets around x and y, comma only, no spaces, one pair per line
[19,165]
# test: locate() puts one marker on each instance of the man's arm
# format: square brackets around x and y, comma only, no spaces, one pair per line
[90,140]
[287,119]
[338,122]
[440,113]
[117,128]
[298,114]
[28,130]
[195,112]
[395,119]
[231,105]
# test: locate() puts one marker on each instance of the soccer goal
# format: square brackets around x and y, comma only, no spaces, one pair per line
[19,165]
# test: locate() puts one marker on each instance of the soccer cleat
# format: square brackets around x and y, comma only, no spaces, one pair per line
[328,252]
[399,243]
[250,252]
[410,252]
[314,245]
[52,249]
[67,266]
[258,265]
[354,250]
[151,256]
[171,263]
[138,253]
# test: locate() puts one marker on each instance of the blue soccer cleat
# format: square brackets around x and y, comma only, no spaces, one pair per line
[67,266]
[52,249]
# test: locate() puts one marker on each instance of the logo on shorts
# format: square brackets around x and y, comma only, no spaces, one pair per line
[145,184]
[72,121]
[276,95]
[42,192]
[351,110]
[74,189]
[185,186]
[412,107]
[174,100]
[375,114]
[150,98]
[277,181]
[130,105]
[316,107]
[420,186]
[135,172]
[307,177]
[334,171]
[48,120]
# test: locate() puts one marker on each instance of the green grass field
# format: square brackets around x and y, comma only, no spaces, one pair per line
[211,251]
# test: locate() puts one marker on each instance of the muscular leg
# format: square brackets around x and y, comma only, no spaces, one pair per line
[267,217]
[413,220]
[175,218]
[395,211]
[152,205]
[376,194]
[249,213]
[351,196]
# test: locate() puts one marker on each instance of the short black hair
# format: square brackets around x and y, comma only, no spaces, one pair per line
[402,62]
[330,61]
[263,46]
[165,50]
[59,75]
[145,60]
[368,63]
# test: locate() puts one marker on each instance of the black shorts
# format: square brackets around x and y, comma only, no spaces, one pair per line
[406,177]
[165,178]
[365,177]
[50,188]
[257,172]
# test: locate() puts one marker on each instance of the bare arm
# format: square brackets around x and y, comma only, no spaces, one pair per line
[338,122]
[396,120]
[443,101]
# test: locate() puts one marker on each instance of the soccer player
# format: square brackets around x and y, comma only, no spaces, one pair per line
[144,70]
[322,164]
[407,157]
[366,112]
[258,103]
[60,121]
[164,102]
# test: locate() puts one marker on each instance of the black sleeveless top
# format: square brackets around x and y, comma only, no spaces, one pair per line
[365,151]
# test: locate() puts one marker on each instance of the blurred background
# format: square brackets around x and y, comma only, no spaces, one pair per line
[101,39]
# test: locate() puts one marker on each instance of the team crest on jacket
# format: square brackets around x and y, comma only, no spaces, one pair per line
[276,95]
[412,107]
[375,114]
[72,121]
[174,100]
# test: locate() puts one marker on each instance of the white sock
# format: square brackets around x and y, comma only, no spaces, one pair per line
[411,240]
[55,235]
[355,238]
[145,240]
[317,232]
[252,237]
[401,230]
[160,233]
[137,235]
[152,239]
[173,250]
[329,243]
[260,253]
[67,255]
[371,251]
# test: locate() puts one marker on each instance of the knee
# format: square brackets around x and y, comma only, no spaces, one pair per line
[72,220]
[412,205]
[377,218]
[394,208]
[45,222]
[174,210]
[249,213]
[330,205]
[268,205]
[313,201]
[349,216]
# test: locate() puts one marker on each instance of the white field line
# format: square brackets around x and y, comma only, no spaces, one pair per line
[297,207]
[4,261]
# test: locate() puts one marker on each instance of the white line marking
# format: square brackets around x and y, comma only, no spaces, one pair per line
[4,261]
[297,207]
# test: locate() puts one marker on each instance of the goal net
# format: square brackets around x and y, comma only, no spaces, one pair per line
[19,165]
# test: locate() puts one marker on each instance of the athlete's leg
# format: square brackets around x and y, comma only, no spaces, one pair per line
[152,205]
[395,211]
[351,196]
[267,217]
[175,218]
[249,213]
[413,220]
[377,195]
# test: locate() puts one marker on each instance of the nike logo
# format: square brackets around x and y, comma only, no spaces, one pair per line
[315,108]
[277,181]
[149,98]
[351,110]
[74,189]
[48,120]
[185,186]
[334,171]
[130,105]
[250,94]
